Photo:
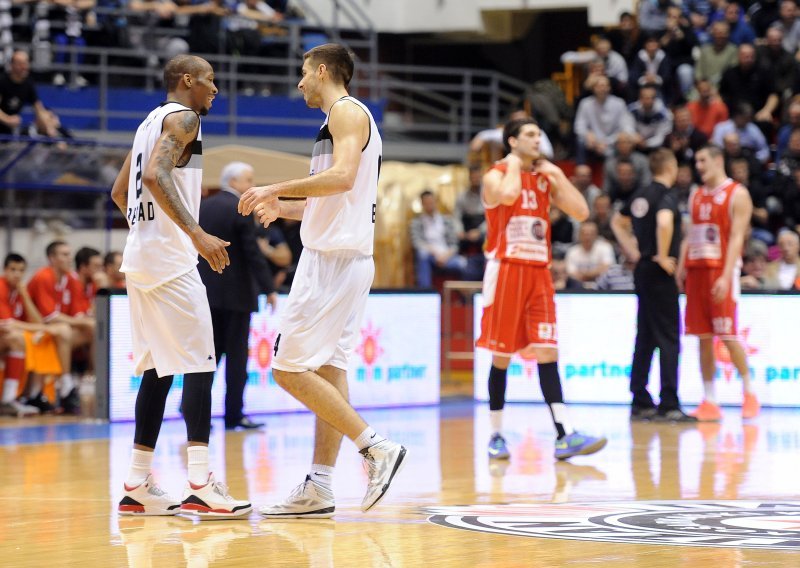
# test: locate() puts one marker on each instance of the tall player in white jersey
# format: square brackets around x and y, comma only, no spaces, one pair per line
[323,313]
[158,190]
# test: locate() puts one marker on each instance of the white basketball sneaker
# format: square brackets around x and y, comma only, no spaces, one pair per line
[382,461]
[16,408]
[212,501]
[147,499]
[309,500]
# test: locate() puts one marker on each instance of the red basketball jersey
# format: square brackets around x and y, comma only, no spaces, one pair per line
[11,306]
[520,232]
[711,225]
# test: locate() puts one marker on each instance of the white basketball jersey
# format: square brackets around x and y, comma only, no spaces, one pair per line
[345,221]
[157,250]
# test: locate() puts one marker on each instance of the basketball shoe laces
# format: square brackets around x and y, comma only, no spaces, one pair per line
[222,490]
[154,489]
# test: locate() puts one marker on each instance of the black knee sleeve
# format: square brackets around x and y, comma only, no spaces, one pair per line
[197,406]
[150,402]
[497,388]
[550,383]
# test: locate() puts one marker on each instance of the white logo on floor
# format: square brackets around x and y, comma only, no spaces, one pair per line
[727,524]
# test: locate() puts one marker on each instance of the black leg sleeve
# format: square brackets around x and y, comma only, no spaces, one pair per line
[197,406]
[150,402]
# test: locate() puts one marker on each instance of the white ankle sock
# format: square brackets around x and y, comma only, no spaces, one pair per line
[140,467]
[710,392]
[496,419]
[322,474]
[198,464]
[367,438]
[10,387]
[747,384]
[65,385]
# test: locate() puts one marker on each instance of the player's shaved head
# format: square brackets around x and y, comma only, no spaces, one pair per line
[182,65]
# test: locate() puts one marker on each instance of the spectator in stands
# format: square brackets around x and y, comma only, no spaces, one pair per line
[625,149]
[68,19]
[750,136]
[206,25]
[685,139]
[111,265]
[625,38]
[708,110]
[779,63]
[590,257]
[717,56]
[653,15]
[246,37]
[790,159]
[601,215]
[762,14]
[56,293]
[619,276]
[684,186]
[470,219]
[789,23]
[740,30]
[653,120]
[562,231]
[582,179]
[733,149]
[615,64]
[652,67]
[749,83]
[781,274]
[16,91]
[626,182]
[786,129]
[596,69]
[678,42]
[598,121]
[754,266]
[562,280]
[435,243]
[739,170]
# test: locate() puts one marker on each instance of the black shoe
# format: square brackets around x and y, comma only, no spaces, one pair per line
[643,413]
[39,401]
[674,415]
[245,424]
[71,404]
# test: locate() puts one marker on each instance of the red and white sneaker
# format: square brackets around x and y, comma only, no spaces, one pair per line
[212,501]
[147,499]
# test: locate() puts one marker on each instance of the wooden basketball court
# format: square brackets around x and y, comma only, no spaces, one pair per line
[738,484]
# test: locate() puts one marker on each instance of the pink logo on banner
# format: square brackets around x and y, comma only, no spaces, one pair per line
[262,340]
[370,348]
[724,356]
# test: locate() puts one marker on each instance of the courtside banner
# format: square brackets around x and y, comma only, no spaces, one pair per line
[596,334]
[396,361]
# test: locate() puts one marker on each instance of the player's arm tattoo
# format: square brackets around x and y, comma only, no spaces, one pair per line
[166,156]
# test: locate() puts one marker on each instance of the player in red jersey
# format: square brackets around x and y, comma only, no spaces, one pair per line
[519,314]
[59,297]
[710,260]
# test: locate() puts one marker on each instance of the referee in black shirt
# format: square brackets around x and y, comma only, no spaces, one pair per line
[648,228]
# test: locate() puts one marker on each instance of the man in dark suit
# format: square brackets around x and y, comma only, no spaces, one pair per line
[233,295]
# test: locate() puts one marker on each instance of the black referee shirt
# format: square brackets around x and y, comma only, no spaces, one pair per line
[642,208]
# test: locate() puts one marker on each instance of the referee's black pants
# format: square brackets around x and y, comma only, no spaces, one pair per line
[658,326]
[231,332]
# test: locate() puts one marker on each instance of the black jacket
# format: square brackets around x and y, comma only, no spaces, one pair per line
[248,275]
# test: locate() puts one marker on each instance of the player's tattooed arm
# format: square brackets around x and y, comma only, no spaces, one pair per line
[178,131]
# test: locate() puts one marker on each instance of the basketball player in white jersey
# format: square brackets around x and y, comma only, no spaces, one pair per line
[323,313]
[158,190]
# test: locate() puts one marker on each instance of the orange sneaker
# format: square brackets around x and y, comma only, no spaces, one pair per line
[707,412]
[750,406]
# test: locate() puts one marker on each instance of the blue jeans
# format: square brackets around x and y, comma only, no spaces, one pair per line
[426,265]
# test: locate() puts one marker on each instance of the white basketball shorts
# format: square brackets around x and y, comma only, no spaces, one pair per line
[171,327]
[322,317]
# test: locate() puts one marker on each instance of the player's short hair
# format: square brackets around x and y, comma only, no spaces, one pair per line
[336,58]
[713,150]
[51,248]
[660,159]
[181,65]
[84,255]
[108,259]
[232,171]
[13,257]
[513,128]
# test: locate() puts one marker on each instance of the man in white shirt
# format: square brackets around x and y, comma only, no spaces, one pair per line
[435,242]
[782,274]
[591,257]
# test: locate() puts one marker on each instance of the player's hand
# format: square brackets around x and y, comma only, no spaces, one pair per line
[680,277]
[254,196]
[667,264]
[719,290]
[267,211]
[212,249]
[546,167]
